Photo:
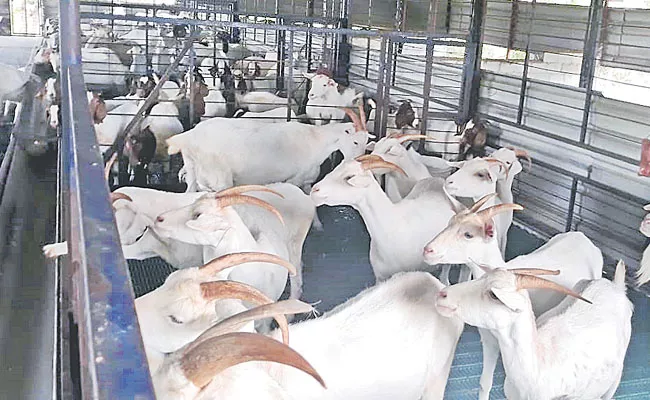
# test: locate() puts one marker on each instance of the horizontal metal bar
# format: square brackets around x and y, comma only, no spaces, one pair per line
[112,360]
[407,36]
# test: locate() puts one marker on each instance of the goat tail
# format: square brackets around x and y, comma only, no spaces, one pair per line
[619,275]
[643,274]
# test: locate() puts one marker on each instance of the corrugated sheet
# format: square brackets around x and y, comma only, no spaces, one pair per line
[627,39]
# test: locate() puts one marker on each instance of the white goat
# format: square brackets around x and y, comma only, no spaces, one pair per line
[135,211]
[416,166]
[222,224]
[102,67]
[190,301]
[324,99]
[255,152]
[643,274]
[274,115]
[259,101]
[471,235]
[388,342]
[575,351]
[397,231]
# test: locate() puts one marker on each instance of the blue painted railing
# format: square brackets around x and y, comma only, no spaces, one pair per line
[112,361]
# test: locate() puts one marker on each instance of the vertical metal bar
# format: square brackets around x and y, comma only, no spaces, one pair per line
[572,205]
[290,80]
[385,104]
[472,66]
[146,42]
[524,74]
[280,60]
[368,40]
[112,361]
[426,91]
[192,54]
[588,67]
[400,15]
[380,85]
[309,38]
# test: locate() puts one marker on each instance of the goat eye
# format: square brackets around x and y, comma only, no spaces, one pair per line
[347,178]
[468,235]
[196,215]
[480,175]
[492,295]
[174,319]
[356,143]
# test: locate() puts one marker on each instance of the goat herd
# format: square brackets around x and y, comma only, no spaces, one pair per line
[236,235]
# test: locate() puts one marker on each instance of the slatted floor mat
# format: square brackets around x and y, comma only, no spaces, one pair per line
[336,267]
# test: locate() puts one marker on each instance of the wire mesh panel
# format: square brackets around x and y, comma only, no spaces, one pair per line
[562,81]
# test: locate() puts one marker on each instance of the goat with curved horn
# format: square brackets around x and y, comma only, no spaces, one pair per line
[234,199]
[233,259]
[525,281]
[477,206]
[119,196]
[276,310]
[203,362]
[247,188]
[358,126]
[372,163]
[499,208]
[458,206]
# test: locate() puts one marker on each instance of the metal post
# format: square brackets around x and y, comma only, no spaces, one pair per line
[426,91]
[589,56]
[380,86]
[290,80]
[400,16]
[343,48]
[524,74]
[572,205]
[472,66]
[309,41]
[385,104]
[281,55]
[112,360]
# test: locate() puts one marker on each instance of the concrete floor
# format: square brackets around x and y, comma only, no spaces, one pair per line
[336,268]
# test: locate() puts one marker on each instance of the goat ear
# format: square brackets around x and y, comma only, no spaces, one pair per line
[488,229]
[511,299]
[204,223]
[100,111]
[360,181]
[371,146]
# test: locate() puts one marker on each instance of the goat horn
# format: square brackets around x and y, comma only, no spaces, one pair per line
[362,118]
[535,282]
[231,200]
[354,117]
[374,164]
[405,138]
[499,208]
[109,165]
[209,358]
[534,271]
[491,160]
[457,205]
[277,310]
[247,188]
[481,202]
[365,157]
[233,259]
[524,154]
[119,196]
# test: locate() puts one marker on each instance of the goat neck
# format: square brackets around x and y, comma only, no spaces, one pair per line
[237,238]
[521,354]
[490,255]
[413,167]
[504,189]
[377,211]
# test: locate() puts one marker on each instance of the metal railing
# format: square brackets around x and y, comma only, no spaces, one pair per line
[112,360]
